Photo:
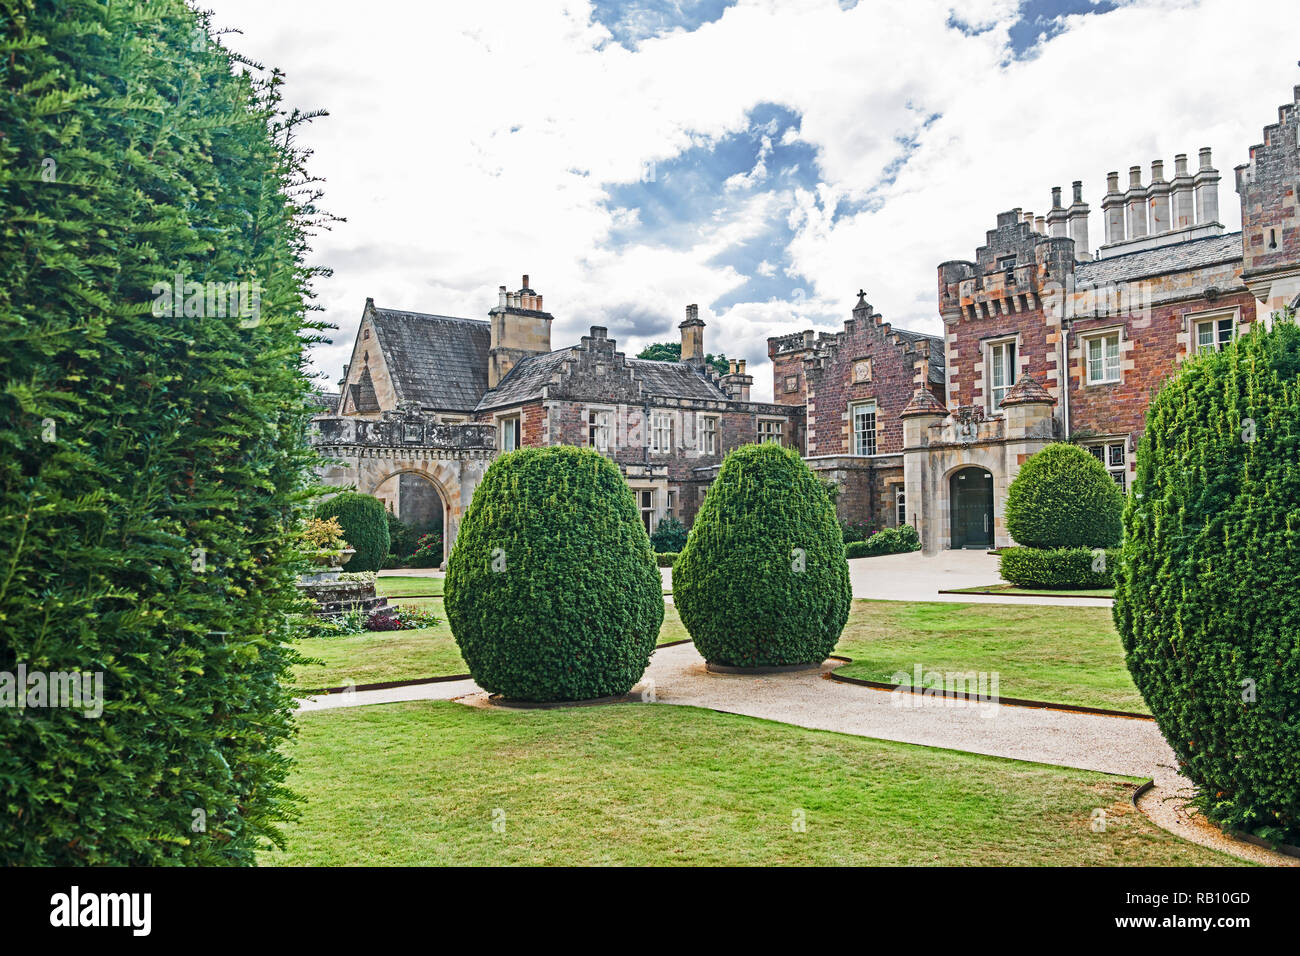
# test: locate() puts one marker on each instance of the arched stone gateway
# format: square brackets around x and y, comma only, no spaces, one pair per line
[375,455]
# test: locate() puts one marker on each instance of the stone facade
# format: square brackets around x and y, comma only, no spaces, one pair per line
[1270,212]
[854,385]
[438,397]
[1045,340]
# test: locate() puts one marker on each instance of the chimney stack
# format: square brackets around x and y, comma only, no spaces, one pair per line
[1183,215]
[1078,219]
[1135,202]
[693,337]
[1158,194]
[517,328]
[1057,217]
[1112,209]
[1207,190]
[736,383]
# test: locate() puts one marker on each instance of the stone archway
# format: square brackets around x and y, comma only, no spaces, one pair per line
[418,499]
[364,454]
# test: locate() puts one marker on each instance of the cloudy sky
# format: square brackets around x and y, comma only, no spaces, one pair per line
[763,158]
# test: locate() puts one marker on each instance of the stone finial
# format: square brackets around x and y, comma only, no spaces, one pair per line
[1028,391]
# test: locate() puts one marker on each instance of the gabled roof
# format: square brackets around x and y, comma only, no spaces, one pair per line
[1177,257]
[435,361]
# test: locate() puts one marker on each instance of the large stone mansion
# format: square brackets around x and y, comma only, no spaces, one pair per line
[1044,340]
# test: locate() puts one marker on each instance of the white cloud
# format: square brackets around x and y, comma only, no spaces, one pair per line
[471,142]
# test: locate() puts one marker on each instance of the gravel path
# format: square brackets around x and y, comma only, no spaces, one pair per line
[920,577]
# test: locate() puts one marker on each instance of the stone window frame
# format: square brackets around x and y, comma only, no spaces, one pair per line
[900,505]
[875,426]
[765,435]
[701,432]
[987,348]
[612,412]
[503,421]
[661,421]
[1207,317]
[1085,344]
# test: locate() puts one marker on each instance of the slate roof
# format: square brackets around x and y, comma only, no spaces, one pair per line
[362,394]
[526,380]
[436,361]
[327,402]
[936,352]
[1178,257]
[673,379]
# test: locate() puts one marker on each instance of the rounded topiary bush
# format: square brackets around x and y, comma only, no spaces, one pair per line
[762,580]
[365,527]
[1063,497]
[552,591]
[1205,597]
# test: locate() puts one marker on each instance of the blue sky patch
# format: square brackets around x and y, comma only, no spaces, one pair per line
[630,23]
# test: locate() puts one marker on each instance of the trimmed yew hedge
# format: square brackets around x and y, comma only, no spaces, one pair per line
[154,463]
[898,540]
[1063,497]
[552,591]
[364,521]
[762,580]
[1206,601]
[1065,568]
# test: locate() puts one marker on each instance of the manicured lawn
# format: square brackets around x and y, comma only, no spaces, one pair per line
[419,784]
[378,656]
[1067,655]
[403,586]
[1012,589]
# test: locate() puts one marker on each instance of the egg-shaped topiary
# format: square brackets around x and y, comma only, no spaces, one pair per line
[763,580]
[1063,497]
[552,591]
[1205,596]
[365,527]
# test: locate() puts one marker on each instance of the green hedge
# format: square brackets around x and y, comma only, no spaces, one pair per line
[1063,497]
[365,526]
[1205,601]
[153,455]
[666,559]
[669,536]
[898,540]
[1060,568]
[552,591]
[763,580]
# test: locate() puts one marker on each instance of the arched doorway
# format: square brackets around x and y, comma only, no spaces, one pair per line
[417,500]
[970,493]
